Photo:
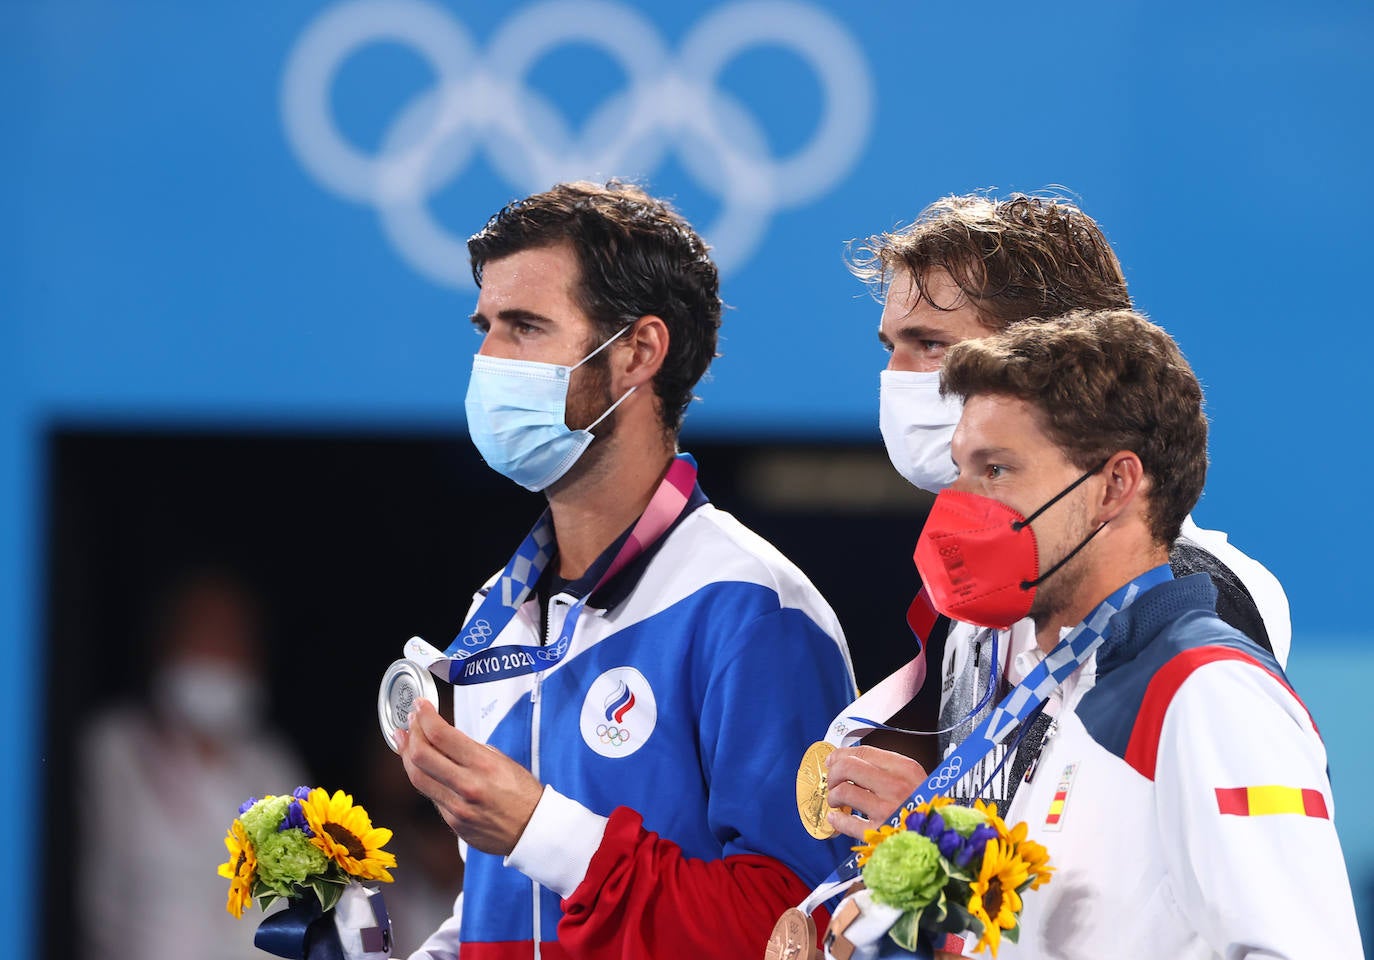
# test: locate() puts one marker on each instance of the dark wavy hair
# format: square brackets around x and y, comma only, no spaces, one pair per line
[1022,257]
[1103,381]
[638,257]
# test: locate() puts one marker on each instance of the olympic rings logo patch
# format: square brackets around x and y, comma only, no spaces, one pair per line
[481,108]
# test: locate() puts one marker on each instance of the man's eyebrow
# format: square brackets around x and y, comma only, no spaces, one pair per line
[511,315]
[922,331]
[991,453]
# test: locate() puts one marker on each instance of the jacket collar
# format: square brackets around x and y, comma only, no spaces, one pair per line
[611,594]
[1132,630]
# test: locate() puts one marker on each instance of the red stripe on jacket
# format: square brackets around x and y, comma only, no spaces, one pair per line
[1142,751]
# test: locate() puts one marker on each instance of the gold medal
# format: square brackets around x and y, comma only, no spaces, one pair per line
[812,790]
[793,937]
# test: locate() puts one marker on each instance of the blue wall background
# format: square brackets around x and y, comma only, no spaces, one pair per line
[180,249]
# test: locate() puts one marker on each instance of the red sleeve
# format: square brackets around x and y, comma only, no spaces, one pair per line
[642,898]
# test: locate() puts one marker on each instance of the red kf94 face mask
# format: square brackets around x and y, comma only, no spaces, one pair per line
[979,560]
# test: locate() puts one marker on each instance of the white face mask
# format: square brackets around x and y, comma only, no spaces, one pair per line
[917,425]
[215,700]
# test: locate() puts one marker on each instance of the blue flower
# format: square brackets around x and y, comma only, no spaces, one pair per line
[247,805]
[950,844]
[295,820]
[976,844]
[981,835]
[301,793]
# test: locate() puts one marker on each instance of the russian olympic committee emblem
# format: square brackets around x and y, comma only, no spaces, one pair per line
[619,713]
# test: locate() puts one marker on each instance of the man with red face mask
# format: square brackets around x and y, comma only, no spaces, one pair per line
[1182,790]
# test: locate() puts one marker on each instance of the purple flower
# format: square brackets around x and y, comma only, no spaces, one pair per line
[981,835]
[965,854]
[295,820]
[301,793]
[950,843]
[976,844]
[935,825]
[915,821]
[247,805]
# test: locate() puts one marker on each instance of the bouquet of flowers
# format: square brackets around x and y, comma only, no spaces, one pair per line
[952,870]
[309,848]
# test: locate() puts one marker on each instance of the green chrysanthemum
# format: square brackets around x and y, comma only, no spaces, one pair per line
[906,871]
[262,818]
[288,859]
[963,820]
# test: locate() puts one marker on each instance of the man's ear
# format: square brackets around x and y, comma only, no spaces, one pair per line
[1126,488]
[642,355]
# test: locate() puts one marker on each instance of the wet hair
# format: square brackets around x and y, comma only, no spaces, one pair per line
[1022,257]
[638,257]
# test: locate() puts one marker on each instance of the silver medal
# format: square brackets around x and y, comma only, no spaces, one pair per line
[404,683]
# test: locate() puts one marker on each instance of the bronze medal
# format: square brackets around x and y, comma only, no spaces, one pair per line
[793,938]
[812,789]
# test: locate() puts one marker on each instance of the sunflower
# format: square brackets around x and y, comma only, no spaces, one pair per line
[240,869]
[346,835]
[1037,861]
[1012,835]
[993,898]
[872,838]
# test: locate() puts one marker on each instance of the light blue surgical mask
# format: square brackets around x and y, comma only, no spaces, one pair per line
[516,411]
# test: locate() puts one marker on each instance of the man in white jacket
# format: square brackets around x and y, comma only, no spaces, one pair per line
[1182,794]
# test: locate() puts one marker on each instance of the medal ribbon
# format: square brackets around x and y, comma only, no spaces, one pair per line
[1059,664]
[892,692]
[470,658]
[899,687]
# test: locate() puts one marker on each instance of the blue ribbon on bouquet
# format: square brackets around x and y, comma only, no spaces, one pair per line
[302,931]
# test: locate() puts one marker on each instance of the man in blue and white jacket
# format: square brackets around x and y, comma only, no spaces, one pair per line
[635,687]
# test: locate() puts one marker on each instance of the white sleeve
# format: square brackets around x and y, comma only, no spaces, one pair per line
[1244,816]
[556,847]
[1263,586]
[443,943]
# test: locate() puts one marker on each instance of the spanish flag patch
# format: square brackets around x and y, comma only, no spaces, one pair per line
[1265,801]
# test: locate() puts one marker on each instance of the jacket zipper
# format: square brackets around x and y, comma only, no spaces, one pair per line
[535,710]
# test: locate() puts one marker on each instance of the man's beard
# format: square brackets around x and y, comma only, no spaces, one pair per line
[588,399]
[1060,590]
[592,398]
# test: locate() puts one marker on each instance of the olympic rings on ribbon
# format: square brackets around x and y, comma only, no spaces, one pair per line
[478,633]
[672,105]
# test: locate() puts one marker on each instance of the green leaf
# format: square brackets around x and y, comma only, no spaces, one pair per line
[934,913]
[905,931]
[963,920]
[327,892]
[1013,934]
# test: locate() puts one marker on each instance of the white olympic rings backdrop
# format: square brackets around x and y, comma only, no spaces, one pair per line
[672,108]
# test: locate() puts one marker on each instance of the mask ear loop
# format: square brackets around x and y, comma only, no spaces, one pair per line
[613,338]
[611,409]
[1019,525]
